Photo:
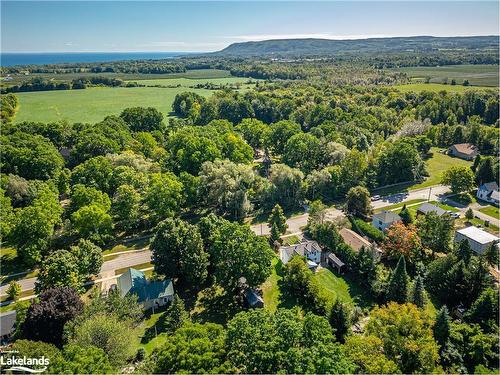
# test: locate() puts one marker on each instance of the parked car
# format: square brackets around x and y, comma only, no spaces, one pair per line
[375,198]
[454,215]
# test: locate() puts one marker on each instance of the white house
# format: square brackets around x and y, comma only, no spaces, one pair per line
[385,219]
[489,192]
[479,240]
[310,249]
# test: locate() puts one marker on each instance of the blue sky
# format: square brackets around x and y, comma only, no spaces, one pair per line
[74,26]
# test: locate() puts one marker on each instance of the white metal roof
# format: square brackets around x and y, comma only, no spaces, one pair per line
[478,235]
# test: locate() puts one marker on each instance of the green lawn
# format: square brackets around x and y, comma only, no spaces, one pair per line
[478,75]
[437,87]
[399,205]
[272,294]
[187,82]
[490,211]
[436,165]
[95,103]
[335,286]
[61,77]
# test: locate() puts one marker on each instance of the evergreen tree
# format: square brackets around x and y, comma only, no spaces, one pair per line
[491,255]
[484,310]
[406,216]
[398,285]
[340,320]
[485,172]
[275,234]
[441,328]
[469,214]
[175,315]
[464,252]
[475,164]
[418,292]
[278,218]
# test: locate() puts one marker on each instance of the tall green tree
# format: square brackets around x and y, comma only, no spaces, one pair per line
[177,252]
[358,201]
[57,270]
[406,215]
[441,327]
[164,195]
[237,252]
[459,179]
[278,218]
[340,320]
[398,285]
[435,231]
[418,292]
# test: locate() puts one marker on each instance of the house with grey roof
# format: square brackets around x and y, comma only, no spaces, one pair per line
[427,207]
[309,249]
[489,192]
[385,219]
[479,240]
[149,293]
[466,151]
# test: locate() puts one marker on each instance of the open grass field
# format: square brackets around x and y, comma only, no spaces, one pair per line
[437,87]
[61,77]
[95,103]
[490,211]
[436,165]
[188,82]
[477,75]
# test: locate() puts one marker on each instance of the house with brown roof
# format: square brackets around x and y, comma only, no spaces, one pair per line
[466,151]
[356,242]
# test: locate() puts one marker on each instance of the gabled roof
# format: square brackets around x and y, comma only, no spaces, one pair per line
[425,208]
[387,217]
[336,260]
[353,239]
[478,235]
[489,186]
[465,148]
[253,298]
[135,282]
[300,249]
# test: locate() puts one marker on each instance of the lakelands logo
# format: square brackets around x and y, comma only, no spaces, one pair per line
[24,364]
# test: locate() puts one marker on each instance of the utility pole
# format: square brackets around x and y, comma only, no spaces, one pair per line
[429,198]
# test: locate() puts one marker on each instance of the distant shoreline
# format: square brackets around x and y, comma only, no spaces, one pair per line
[44,58]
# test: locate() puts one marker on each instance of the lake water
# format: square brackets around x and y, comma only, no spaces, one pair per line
[10,59]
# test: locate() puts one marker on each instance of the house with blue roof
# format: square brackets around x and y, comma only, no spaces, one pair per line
[150,293]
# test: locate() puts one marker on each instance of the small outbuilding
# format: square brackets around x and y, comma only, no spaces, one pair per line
[253,299]
[466,151]
[336,263]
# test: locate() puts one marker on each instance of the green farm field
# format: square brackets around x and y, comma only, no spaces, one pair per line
[477,75]
[95,103]
[437,87]
[190,74]
[187,82]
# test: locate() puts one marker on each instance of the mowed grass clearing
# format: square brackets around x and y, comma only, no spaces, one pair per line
[95,103]
[490,211]
[477,75]
[436,165]
[437,87]
[187,82]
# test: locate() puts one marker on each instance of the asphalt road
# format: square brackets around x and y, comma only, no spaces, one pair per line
[121,261]
[295,225]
